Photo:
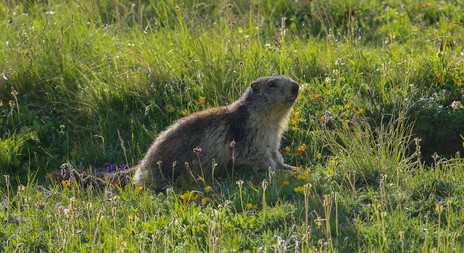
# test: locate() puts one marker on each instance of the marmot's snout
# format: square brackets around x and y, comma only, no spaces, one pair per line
[294,87]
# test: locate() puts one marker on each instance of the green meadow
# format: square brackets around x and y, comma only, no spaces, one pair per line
[377,132]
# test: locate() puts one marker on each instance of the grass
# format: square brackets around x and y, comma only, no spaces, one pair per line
[377,131]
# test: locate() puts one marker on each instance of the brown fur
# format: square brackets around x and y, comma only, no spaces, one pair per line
[255,123]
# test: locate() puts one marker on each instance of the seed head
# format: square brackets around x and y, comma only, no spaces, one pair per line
[197,150]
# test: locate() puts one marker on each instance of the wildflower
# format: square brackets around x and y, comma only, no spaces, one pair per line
[295,118]
[301,149]
[441,79]
[299,168]
[112,167]
[299,189]
[360,112]
[197,150]
[308,170]
[201,100]
[347,106]
[250,206]
[205,201]
[184,112]
[65,183]
[322,118]
[303,177]
[208,189]
[286,183]
[187,196]
[170,108]
[315,96]
[139,189]
[286,149]
[319,156]
[457,81]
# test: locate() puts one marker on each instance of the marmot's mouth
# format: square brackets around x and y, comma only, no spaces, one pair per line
[292,99]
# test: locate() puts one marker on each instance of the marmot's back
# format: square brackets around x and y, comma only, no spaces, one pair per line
[254,122]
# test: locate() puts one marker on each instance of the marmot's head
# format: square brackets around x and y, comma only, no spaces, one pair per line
[278,93]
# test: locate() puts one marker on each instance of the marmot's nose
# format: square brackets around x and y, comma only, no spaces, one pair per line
[295,87]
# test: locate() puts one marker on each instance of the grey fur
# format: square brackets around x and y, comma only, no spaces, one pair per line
[255,123]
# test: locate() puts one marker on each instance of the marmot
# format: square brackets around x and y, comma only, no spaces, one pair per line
[244,133]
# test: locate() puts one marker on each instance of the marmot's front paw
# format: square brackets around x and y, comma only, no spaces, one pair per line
[288,167]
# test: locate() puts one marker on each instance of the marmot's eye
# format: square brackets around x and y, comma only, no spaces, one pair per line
[272,84]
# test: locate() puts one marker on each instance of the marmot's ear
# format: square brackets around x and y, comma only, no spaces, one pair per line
[254,86]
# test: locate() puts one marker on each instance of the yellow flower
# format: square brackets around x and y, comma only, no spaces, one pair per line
[299,189]
[286,149]
[441,80]
[208,189]
[301,149]
[319,156]
[347,106]
[360,112]
[139,189]
[189,196]
[205,201]
[184,112]
[458,82]
[65,183]
[299,168]
[303,177]
[201,100]
[286,183]
[315,96]
[308,170]
[39,194]
[250,206]
[322,118]
[295,118]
